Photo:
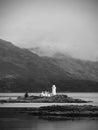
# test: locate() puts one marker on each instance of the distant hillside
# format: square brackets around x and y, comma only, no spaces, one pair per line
[76,68]
[21,70]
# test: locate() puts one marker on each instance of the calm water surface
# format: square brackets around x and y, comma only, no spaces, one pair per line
[33,123]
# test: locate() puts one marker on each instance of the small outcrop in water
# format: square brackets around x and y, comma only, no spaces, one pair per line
[55,112]
[68,112]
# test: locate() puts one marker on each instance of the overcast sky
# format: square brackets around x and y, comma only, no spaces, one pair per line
[54,25]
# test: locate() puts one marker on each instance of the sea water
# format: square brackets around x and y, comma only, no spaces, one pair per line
[29,122]
[34,123]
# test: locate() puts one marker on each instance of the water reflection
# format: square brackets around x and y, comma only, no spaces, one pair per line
[33,123]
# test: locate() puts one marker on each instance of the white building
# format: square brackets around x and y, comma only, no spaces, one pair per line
[53,90]
[47,94]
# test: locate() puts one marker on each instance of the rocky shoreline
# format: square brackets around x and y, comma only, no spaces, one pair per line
[39,99]
[55,112]
[69,112]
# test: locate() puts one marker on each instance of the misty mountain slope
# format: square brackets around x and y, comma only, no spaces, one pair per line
[22,70]
[23,64]
[77,68]
[24,59]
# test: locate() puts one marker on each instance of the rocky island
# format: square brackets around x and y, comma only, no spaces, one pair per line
[45,97]
[39,99]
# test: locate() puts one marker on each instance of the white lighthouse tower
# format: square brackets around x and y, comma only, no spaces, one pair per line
[53,90]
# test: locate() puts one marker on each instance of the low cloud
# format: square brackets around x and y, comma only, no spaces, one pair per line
[53,26]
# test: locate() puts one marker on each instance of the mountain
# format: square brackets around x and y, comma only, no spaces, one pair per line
[49,52]
[21,70]
[37,50]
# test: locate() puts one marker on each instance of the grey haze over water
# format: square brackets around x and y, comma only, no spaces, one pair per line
[67,26]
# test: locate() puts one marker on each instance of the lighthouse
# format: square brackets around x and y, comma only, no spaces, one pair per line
[53,90]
